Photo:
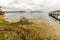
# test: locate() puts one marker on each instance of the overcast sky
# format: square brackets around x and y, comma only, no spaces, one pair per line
[31,4]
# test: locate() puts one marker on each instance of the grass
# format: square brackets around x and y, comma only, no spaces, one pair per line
[2,35]
[39,30]
[4,23]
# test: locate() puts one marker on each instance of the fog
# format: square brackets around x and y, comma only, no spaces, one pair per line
[28,5]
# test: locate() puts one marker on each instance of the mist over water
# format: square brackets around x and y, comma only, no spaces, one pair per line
[40,5]
[12,17]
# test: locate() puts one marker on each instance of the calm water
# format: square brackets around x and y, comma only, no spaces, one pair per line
[17,16]
[29,15]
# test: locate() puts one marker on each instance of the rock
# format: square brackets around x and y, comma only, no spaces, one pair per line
[24,20]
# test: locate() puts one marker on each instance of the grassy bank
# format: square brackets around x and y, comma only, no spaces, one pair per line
[39,30]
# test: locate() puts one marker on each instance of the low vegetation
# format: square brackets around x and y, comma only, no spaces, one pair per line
[39,30]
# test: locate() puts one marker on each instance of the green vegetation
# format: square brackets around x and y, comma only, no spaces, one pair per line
[3,23]
[2,34]
[39,30]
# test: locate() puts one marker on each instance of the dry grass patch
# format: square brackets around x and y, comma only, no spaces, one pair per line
[38,30]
